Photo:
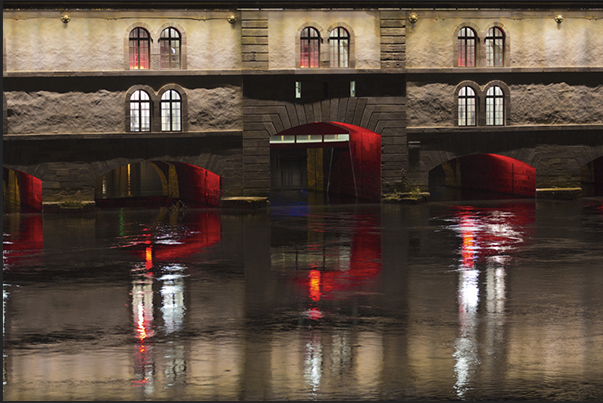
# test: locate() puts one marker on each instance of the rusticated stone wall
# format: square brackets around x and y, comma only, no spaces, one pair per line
[433,104]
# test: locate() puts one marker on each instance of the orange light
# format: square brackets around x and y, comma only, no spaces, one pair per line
[149,257]
[315,285]
[468,248]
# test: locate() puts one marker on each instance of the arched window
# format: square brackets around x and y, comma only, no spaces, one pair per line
[495,45]
[467,107]
[171,111]
[495,101]
[339,43]
[466,52]
[139,48]
[169,49]
[140,112]
[309,47]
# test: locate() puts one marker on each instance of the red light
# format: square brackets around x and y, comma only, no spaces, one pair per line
[315,285]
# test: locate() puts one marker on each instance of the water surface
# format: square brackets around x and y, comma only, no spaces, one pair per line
[466,300]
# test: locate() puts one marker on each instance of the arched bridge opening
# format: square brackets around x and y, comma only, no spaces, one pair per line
[483,176]
[340,160]
[21,191]
[158,183]
[592,178]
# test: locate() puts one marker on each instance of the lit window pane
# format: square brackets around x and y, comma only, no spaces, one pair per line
[309,48]
[466,107]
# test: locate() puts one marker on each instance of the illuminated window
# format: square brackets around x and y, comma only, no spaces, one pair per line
[309,47]
[495,101]
[466,51]
[169,48]
[298,89]
[467,106]
[339,43]
[140,112]
[171,111]
[139,48]
[495,44]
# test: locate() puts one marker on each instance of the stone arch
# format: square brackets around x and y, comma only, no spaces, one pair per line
[455,46]
[352,43]
[322,53]
[127,43]
[183,43]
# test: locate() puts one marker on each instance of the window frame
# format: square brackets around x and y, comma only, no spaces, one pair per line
[171,115]
[165,44]
[310,39]
[335,47]
[462,104]
[139,109]
[462,41]
[495,106]
[493,34]
[137,41]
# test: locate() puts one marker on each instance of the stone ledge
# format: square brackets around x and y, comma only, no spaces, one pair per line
[61,207]
[559,193]
[244,202]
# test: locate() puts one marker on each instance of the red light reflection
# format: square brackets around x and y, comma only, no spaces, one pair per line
[23,236]
[355,272]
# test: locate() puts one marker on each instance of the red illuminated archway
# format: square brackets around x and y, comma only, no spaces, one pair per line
[158,183]
[21,189]
[352,168]
[488,172]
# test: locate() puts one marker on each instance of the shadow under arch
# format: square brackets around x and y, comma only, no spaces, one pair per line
[158,184]
[329,157]
[21,190]
[483,175]
[592,178]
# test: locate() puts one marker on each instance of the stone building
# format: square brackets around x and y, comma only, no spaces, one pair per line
[205,100]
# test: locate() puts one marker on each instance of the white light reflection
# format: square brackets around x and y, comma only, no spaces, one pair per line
[172,293]
[313,357]
[5,295]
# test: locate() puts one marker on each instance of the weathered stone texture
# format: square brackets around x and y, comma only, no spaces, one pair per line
[72,112]
[215,109]
[556,104]
[430,105]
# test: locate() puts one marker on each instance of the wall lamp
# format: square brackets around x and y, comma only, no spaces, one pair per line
[65,18]
[558,18]
[413,17]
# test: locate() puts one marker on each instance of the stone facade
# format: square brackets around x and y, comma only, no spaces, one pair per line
[66,88]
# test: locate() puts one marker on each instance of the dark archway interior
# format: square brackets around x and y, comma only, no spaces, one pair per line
[592,178]
[337,159]
[158,183]
[483,175]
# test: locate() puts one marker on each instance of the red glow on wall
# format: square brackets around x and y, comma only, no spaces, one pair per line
[198,186]
[499,174]
[361,174]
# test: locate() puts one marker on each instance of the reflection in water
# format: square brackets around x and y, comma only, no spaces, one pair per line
[489,236]
[336,304]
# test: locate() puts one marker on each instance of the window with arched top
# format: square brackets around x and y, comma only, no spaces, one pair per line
[309,47]
[467,102]
[495,45]
[339,45]
[466,47]
[139,44]
[495,102]
[171,111]
[140,112]
[169,48]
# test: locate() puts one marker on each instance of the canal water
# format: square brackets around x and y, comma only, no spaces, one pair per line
[470,300]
